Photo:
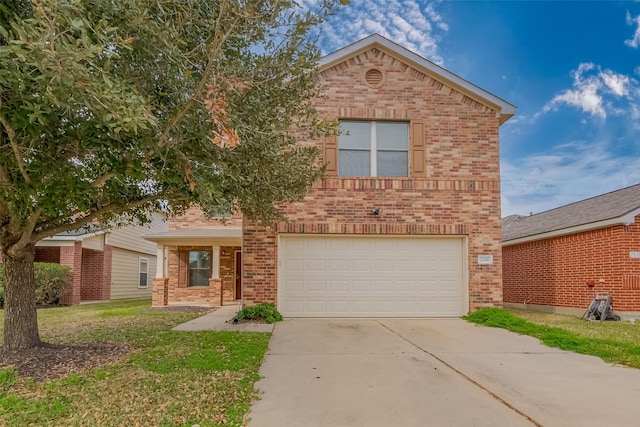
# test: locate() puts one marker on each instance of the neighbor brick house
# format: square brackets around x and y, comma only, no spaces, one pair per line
[405,223]
[557,260]
[105,264]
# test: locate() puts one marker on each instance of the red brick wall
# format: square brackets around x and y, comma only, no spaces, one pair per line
[559,271]
[96,274]
[72,256]
[48,254]
[460,194]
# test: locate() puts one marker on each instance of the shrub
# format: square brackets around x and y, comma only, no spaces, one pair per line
[265,311]
[52,281]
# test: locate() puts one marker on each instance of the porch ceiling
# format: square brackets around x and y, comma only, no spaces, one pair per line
[220,236]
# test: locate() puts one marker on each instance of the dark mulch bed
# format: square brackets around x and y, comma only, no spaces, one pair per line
[51,361]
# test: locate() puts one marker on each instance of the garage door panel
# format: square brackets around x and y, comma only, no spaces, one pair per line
[353,276]
[339,286]
[360,265]
[361,286]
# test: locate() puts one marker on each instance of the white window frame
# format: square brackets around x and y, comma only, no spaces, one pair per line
[373,149]
[140,260]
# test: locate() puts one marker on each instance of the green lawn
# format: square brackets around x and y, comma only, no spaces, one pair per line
[614,342]
[169,378]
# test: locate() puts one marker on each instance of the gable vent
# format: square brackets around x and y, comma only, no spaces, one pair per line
[373,77]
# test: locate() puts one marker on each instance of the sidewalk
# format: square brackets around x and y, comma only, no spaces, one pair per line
[222,320]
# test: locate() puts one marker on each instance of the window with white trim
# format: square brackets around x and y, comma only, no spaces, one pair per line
[373,149]
[199,268]
[143,272]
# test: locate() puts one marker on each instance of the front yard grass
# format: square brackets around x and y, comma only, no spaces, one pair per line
[169,378]
[613,342]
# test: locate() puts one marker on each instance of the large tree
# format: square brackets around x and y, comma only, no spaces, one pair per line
[111,108]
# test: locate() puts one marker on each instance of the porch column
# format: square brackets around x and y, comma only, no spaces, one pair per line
[160,285]
[215,262]
[159,261]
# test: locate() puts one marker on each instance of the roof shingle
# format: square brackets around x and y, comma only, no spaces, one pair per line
[600,208]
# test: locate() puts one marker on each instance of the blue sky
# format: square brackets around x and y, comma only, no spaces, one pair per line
[572,69]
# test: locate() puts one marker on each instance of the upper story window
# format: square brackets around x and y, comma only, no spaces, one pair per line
[373,149]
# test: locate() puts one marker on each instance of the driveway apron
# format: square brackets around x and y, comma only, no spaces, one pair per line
[431,372]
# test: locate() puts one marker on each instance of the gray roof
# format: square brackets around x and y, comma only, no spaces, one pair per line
[90,229]
[616,207]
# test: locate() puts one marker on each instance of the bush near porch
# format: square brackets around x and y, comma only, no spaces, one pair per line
[52,281]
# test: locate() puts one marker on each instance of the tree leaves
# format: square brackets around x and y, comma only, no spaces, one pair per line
[104,109]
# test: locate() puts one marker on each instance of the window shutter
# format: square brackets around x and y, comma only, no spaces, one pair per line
[183,268]
[331,155]
[418,160]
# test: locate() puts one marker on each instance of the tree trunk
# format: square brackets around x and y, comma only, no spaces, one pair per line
[20,316]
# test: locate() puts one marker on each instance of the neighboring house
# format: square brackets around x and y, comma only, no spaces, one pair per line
[106,265]
[557,260]
[406,222]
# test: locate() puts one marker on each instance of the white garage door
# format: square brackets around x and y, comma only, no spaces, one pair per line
[354,276]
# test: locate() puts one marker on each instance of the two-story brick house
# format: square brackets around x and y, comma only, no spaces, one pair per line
[406,222]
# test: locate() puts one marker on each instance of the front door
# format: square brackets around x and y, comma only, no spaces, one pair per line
[238,274]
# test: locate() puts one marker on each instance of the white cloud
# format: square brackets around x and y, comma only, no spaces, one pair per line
[617,83]
[402,21]
[594,91]
[566,174]
[435,17]
[635,41]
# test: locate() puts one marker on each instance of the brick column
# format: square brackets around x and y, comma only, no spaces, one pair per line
[72,256]
[215,292]
[160,292]
[259,264]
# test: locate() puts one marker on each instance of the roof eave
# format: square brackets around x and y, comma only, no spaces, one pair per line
[505,109]
[74,238]
[222,236]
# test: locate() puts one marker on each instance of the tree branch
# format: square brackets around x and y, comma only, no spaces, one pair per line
[11,133]
[116,208]
[102,180]
[218,40]
[27,233]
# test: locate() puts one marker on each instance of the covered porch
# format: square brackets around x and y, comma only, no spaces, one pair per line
[198,266]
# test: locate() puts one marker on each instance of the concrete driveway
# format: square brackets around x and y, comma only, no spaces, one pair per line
[431,372]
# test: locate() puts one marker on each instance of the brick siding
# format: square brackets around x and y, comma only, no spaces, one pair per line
[567,271]
[96,274]
[207,295]
[459,193]
[48,254]
[72,256]
[195,218]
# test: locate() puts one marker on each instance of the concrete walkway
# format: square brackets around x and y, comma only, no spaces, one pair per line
[431,372]
[221,320]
